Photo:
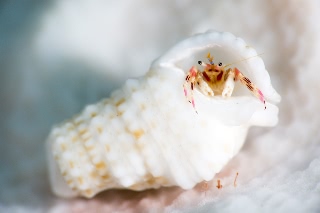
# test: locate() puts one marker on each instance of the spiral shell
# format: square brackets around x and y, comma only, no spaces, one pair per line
[146,135]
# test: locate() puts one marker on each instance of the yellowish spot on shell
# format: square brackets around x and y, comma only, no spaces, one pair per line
[122,100]
[100,165]
[71,164]
[105,177]
[89,148]
[138,186]
[93,174]
[88,192]
[82,131]
[63,147]
[138,133]
[119,113]
[142,107]
[80,180]
[107,147]
[151,180]
[99,129]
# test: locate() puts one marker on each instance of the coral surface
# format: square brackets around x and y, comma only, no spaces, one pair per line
[59,56]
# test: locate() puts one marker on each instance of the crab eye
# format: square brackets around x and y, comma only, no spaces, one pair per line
[220,64]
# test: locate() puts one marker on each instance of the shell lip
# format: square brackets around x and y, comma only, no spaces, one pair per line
[236,111]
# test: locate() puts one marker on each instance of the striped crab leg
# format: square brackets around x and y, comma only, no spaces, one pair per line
[253,88]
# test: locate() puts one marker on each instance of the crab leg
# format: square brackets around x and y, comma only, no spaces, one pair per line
[253,88]
[191,78]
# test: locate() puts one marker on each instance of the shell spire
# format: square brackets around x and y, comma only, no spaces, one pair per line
[146,135]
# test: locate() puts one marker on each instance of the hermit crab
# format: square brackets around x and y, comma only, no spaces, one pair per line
[216,80]
[146,134]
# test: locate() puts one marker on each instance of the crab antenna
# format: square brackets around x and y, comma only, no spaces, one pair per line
[243,59]
[210,58]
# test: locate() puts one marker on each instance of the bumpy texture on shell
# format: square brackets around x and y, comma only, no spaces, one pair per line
[147,135]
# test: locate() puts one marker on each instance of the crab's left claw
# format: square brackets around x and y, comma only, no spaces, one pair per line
[253,88]
[229,85]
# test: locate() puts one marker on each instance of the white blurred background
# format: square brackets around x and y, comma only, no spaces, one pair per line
[57,56]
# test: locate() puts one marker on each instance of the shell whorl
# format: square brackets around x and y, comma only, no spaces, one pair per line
[146,135]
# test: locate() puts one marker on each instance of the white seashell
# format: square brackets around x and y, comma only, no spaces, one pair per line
[147,135]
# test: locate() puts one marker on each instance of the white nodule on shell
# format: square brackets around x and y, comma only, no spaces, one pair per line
[147,135]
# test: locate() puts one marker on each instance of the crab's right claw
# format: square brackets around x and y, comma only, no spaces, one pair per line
[191,78]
